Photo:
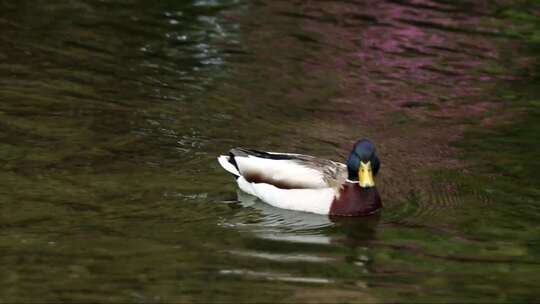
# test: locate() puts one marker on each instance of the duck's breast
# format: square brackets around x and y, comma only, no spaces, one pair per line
[354,200]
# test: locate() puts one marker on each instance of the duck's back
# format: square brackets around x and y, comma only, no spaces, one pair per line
[284,170]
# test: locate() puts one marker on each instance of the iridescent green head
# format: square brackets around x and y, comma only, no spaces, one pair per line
[363,164]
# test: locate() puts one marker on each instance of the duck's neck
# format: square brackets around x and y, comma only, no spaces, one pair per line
[354,200]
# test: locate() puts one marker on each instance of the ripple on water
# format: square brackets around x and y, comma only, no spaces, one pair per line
[284,277]
[441,201]
[283,258]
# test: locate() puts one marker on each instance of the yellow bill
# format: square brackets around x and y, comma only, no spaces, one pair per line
[365,175]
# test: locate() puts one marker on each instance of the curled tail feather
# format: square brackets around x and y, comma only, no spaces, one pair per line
[227,164]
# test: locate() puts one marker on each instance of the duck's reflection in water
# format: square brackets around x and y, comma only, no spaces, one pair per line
[279,224]
[294,238]
[356,234]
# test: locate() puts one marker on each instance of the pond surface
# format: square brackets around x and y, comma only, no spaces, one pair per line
[113,113]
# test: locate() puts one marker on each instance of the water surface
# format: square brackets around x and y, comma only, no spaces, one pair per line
[113,113]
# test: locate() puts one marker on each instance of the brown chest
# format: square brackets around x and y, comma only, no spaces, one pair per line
[354,200]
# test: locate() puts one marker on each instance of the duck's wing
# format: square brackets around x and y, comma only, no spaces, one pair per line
[284,170]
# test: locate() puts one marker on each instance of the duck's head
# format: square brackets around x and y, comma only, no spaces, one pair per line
[363,164]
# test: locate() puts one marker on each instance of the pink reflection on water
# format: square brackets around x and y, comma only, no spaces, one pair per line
[393,59]
[408,73]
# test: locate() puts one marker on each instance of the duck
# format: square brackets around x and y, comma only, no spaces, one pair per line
[307,183]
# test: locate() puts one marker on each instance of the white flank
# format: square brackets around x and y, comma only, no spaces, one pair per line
[224,162]
[309,200]
[282,171]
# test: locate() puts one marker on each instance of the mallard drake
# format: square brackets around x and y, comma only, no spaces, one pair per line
[306,183]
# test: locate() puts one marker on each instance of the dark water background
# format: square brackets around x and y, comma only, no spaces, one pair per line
[112,114]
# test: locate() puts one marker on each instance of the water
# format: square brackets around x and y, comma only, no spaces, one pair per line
[113,112]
